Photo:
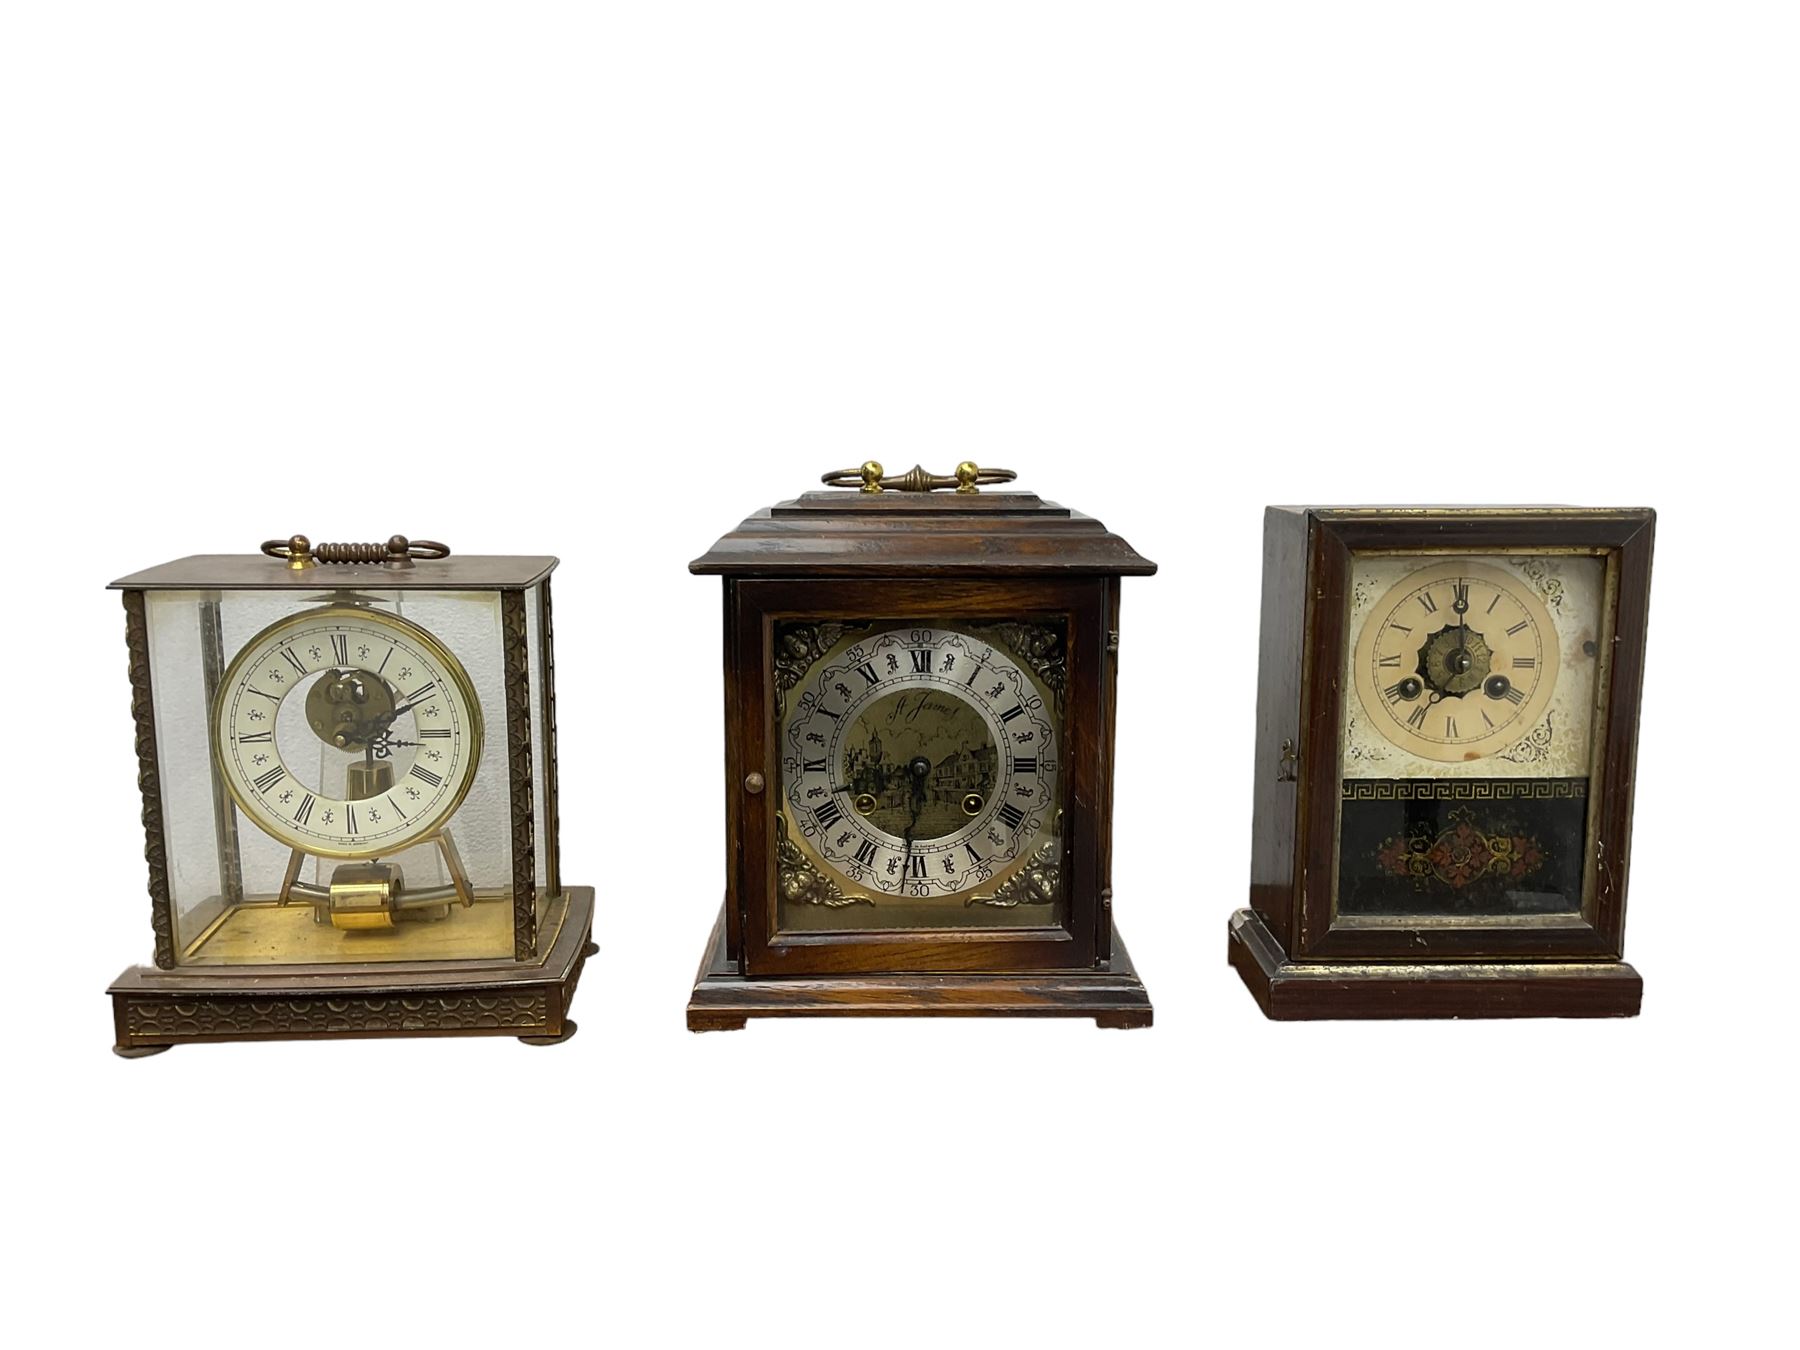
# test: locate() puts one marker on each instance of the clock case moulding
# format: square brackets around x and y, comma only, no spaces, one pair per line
[986,557]
[1299,959]
[526,996]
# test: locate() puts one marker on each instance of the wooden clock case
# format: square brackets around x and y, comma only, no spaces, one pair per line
[1300,957]
[903,554]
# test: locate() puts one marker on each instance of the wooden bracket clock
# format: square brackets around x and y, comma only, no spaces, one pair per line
[919,692]
[1446,741]
[348,762]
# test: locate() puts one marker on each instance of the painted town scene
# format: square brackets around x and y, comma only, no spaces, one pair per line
[924,758]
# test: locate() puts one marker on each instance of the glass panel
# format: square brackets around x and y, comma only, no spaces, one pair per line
[1470,699]
[920,774]
[345,755]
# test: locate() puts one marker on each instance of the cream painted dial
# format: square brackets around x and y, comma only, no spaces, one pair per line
[920,762]
[1456,661]
[347,732]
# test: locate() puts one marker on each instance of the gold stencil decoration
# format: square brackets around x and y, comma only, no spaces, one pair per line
[801,883]
[1460,855]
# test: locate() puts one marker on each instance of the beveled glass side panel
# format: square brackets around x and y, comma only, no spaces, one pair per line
[921,775]
[344,755]
[1471,690]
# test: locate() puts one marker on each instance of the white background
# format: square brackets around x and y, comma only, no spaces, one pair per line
[601,280]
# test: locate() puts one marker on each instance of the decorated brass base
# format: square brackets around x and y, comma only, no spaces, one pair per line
[724,1000]
[1294,991]
[154,1009]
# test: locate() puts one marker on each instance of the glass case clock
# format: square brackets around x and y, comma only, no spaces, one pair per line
[348,762]
[1446,746]
[919,699]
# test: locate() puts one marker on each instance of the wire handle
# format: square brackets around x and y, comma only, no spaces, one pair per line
[969,477]
[299,552]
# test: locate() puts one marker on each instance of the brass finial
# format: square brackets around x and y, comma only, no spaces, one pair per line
[300,555]
[871,476]
[967,474]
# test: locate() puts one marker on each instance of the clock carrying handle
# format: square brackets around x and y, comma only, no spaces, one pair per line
[300,552]
[969,477]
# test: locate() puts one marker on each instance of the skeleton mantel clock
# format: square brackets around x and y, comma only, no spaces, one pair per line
[348,762]
[1446,746]
[919,697]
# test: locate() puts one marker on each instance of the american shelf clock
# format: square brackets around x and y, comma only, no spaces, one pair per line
[919,690]
[1446,742]
[348,763]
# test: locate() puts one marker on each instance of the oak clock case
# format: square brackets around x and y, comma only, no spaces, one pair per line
[348,762]
[919,701]
[1446,745]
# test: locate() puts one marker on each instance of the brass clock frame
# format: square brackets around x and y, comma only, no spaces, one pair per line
[527,995]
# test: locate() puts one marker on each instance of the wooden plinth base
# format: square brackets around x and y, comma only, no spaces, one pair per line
[155,1009]
[1295,991]
[724,1000]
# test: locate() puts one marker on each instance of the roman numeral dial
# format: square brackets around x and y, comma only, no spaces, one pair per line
[920,764]
[346,732]
[1457,660]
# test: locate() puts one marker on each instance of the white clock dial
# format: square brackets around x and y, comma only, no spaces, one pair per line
[920,762]
[347,732]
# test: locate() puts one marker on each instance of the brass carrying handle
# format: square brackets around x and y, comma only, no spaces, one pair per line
[870,478]
[299,552]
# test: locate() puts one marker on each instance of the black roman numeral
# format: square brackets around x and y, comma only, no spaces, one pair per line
[828,815]
[384,661]
[270,779]
[304,811]
[425,775]
[1400,628]
[1011,815]
[1393,661]
[1393,692]
[1487,719]
[812,766]
[1518,628]
[1515,695]
[340,648]
[868,673]
[1450,728]
[1493,602]
[1416,718]
[293,660]
[1524,663]
[257,738]
[974,857]
[1459,593]
[917,867]
[1426,600]
[1016,710]
[418,694]
[827,711]
[266,694]
[396,805]
[921,659]
[1025,764]
[865,853]
[434,734]
[349,818]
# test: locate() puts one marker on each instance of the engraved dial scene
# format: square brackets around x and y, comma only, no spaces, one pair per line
[921,762]
[1456,661]
[347,732]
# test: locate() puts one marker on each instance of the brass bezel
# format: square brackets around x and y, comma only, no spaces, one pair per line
[453,670]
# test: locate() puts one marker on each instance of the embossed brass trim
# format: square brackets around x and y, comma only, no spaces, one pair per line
[137,645]
[516,651]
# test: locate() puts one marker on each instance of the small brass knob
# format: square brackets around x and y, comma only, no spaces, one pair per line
[754,784]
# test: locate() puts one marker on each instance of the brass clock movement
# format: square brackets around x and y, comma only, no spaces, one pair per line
[1446,746]
[919,705]
[348,762]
